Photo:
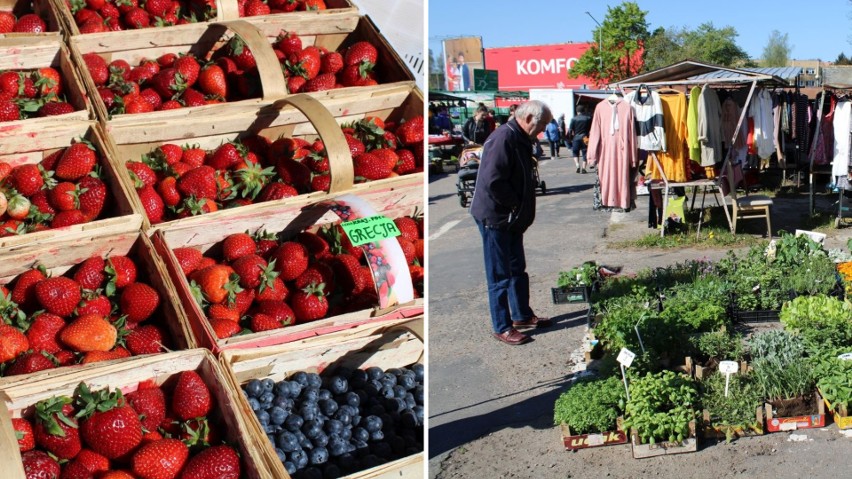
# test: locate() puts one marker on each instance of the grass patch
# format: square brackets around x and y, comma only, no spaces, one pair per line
[821,221]
[714,233]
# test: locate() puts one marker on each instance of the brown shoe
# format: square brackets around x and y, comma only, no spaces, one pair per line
[512,337]
[534,322]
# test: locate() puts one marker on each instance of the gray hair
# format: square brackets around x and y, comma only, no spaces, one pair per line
[536,108]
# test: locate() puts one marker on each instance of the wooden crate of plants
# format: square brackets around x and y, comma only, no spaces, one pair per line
[727,432]
[49,149]
[574,442]
[28,19]
[115,18]
[116,284]
[178,375]
[388,346]
[51,87]
[641,451]
[839,413]
[791,423]
[266,134]
[287,9]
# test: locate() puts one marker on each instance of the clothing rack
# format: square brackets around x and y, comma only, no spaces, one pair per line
[838,91]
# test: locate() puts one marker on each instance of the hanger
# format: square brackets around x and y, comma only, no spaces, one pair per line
[613,98]
[668,89]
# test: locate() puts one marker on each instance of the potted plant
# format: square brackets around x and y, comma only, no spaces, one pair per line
[737,414]
[661,414]
[589,413]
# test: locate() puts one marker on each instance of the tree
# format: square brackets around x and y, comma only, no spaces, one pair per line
[705,44]
[665,47]
[436,72]
[842,59]
[776,53]
[623,34]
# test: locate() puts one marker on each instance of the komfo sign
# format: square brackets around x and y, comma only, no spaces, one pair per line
[536,66]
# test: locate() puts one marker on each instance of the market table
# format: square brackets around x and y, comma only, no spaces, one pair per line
[445,140]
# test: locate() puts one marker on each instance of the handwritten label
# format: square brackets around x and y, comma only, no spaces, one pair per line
[370,229]
[729,367]
[625,357]
[595,439]
[845,357]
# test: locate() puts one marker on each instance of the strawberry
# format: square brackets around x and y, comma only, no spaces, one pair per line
[90,332]
[276,190]
[309,304]
[58,295]
[239,52]
[356,75]
[254,271]
[212,81]
[191,398]
[158,8]
[407,227]
[406,164]
[168,153]
[76,162]
[55,108]
[49,80]
[322,82]
[311,275]
[226,156]
[30,363]
[85,465]
[291,259]
[275,290]
[97,356]
[56,428]
[188,259]
[411,132]
[65,357]
[43,333]
[278,310]
[64,196]
[93,194]
[30,23]
[224,328]
[108,424]
[138,302]
[217,282]
[7,22]
[146,339]
[199,182]
[168,191]
[116,475]
[24,291]
[137,104]
[23,432]
[294,173]
[168,82]
[289,43]
[68,218]
[152,203]
[312,5]
[347,273]
[9,111]
[136,18]
[27,179]
[306,63]
[141,174]
[97,67]
[371,167]
[418,251]
[360,52]
[162,459]
[188,68]
[152,97]
[332,62]
[255,8]
[192,207]
[294,84]
[38,464]
[316,245]
[99,304]
[150,403]
[238,245]
[356,147]
[388,155]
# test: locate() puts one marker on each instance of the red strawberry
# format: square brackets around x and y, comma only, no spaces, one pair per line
[288,43]
[121,271]
[150,403]
[224,328]
[254,271]
[279,310]
[240,53]
[199,182]
[9,111]
[309,304]
[24,432]
[29,363]
[168,82]
[294,173]
[97,67]
[388,155]
[322,82]
[407,226]
[188,68]
[141,174]
[217,282]
[109,426]
[38,464]
[96,356]
[406,164]
[371,167]
[43,333]
[306,63]
[64,196]
[76,162]
[360,52]
[93,198]
[276,191]
[138,302]
[145,339]
[411,132]
[158,8]
[58,295]
[68,218]
[95,305]
[30,23]
[212,81]
[13,343]
[162,459]
[85,465]
[275,291]
[188,259]
[294,84]
[55,108]
[26,179]
[347,273]
[168,191]
[56,428]
[226,156]
[90,332]
[357,75]
[191,397]
[332,62]
[291,260]
[255,8]
[24,291]
[152,203]
[238,245]
[7,22]
[356,147]
[136,18]
[50,81]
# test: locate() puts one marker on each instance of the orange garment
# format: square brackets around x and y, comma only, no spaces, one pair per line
[673,160]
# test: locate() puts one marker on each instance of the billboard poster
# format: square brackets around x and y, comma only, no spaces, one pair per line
[537,66]
[461,56]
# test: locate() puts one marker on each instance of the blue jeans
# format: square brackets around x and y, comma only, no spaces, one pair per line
[505,272]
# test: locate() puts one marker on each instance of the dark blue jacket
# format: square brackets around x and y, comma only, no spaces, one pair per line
[504,197]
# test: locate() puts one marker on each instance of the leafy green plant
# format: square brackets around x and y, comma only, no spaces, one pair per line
[661,406]
[821,321]
[584,275]
[700,304]
[813,274]
[718,345]
[834,377]
[777,380]
[591,405]
[737,410]
[790,249]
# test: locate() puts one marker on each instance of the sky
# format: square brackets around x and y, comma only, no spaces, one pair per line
[816,28]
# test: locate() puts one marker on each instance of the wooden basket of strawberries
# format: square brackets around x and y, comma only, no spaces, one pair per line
[58,184]
[26,19]
[171,415]
[39,85]
[369,415]
[295,150]
[307,9]
[70,305]
[115,18]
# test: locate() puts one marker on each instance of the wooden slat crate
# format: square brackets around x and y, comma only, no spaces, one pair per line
[230,11]
[43,9]
[119,214]
[20,399]
[36,52]
[389,345]
[58,258]
[295,116]
[69,25]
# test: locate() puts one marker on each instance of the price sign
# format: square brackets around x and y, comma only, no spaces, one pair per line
[626,357]
[370,229]
[727,368]
[845,357]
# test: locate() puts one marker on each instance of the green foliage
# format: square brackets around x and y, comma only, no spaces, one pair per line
[738,409]
[790,249]
[706,43]
[842,59]
[776,53]
[641,284]
[780,369]
[661,406]
[814,274]
[835,377]
[623,32]
[719,345]
[583,275]
[821,321]
[755,285]
[591,406]
[620,315]
[700,305]
[682,273]
[776,344]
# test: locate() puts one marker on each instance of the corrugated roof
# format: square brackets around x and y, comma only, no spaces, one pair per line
[837,77]
[785,73]
[691,70]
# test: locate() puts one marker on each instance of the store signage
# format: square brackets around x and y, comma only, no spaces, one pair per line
[536,66]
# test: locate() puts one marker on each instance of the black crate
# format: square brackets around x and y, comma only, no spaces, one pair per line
[565,295]
[760,316]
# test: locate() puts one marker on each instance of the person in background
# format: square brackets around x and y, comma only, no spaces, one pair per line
[503,207]
[463,73]
[476,129]
[578,129]
[443,121]
[563,131]
[452,74]
[551,132]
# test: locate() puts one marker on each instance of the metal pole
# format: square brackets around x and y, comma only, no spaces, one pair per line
[600,33]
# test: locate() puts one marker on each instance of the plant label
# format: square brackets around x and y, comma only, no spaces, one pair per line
[845,357]
[788,426]
[625,357]
[729,367]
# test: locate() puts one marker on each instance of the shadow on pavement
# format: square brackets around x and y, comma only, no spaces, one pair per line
[433,199]
[566,189]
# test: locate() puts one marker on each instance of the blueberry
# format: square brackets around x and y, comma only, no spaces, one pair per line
[320,440]
[263,417]
[362,448]
[311,473]
[407,381]
[314,380]
[409,401]
[282,456]
[343,417]
[358,379]
[282,388]
[254,404]
[301,378]
[295,389]
[291,468]
[337,385]
[395,404]
[299,458]
[288,442]
[394,371]
[304,441]
[372,423]
[344,372]
[352,411]
[418,410]
[266,399]
[360,434]
[399,392]
[418,372]
[413,450]
[418,394]
[337,446]
[268,428]
[267,384]
[294,422]
[377,435]
[377,410]
[277,415]
[254,388]
[319,456]
[369,461]
[356,419]
[324,394]
[381,449]
[310,395]
[312,428]
[331,471]
[309,411]
[389,419]
[352,398]
[283,402]
[388,379]
[346,461]
[387,392]
[333,426]
[346,433]
[328,407]
[374,373]
[409,420]
[397,445]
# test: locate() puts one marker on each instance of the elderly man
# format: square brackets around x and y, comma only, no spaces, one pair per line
[504,207]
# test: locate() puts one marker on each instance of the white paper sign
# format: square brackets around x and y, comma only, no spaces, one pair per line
[625,357]
[788,426]
[595,439]
[729,367]
[845,357]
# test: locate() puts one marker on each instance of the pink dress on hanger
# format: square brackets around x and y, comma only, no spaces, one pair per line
[613,148]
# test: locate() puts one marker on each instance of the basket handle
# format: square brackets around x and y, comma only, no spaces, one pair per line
[339,159]
[10,454]
[272,79]
[227,10]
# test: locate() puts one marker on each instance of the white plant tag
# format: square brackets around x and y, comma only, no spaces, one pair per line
[729,367]
[595,439]
[625,357]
